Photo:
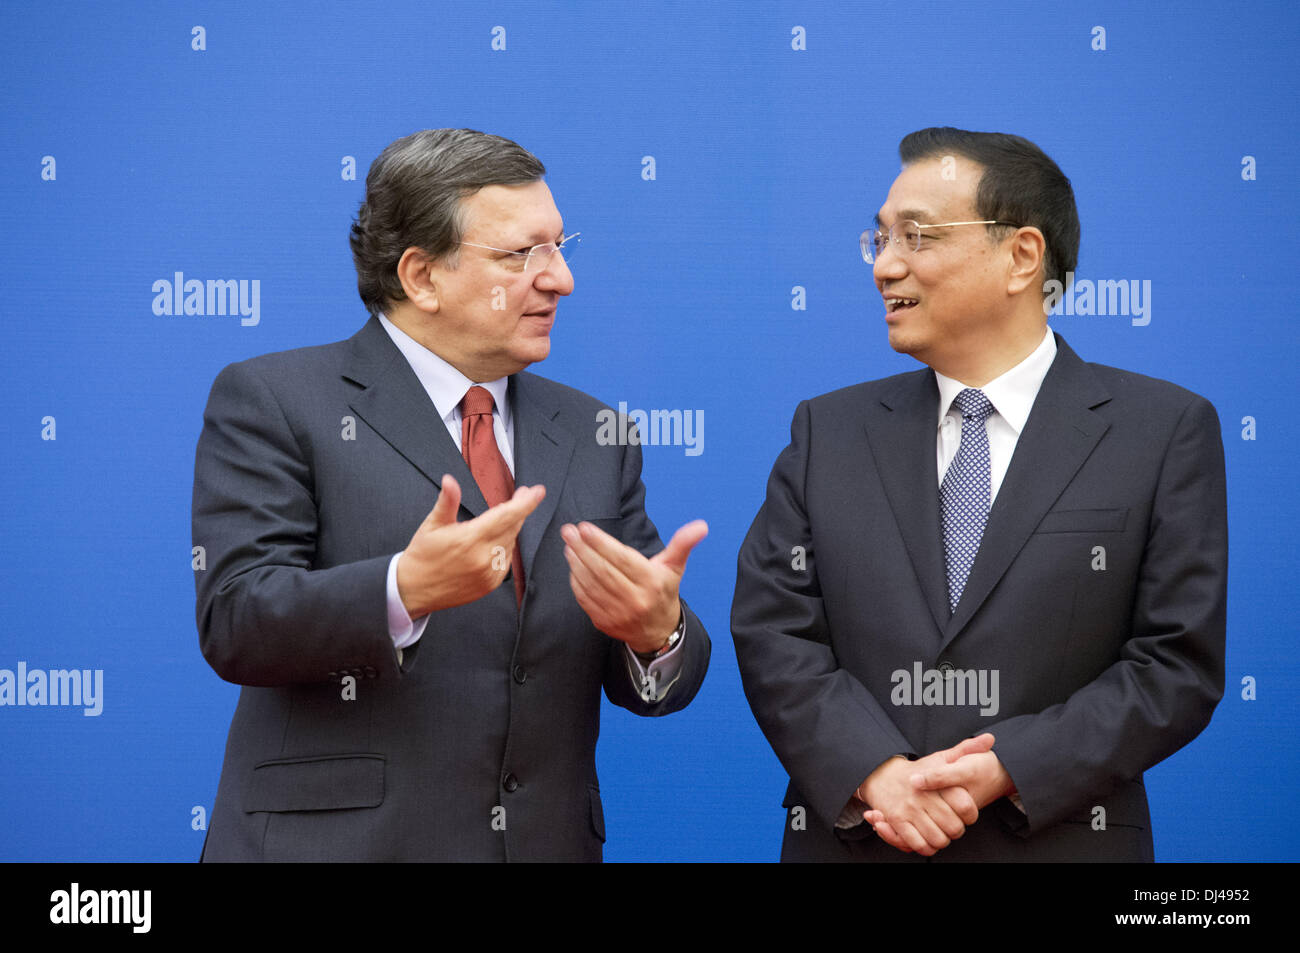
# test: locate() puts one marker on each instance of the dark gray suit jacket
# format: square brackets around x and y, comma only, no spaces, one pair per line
[1098,595]
[494,708]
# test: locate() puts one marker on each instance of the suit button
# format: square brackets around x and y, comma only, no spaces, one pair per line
[510,782]
[519,674]
[947,668]
[370,672]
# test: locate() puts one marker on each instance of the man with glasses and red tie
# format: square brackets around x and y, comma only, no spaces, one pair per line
[1008,595]
[421,564]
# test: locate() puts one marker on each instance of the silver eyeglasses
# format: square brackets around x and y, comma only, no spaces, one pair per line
[537,258]
[905,236]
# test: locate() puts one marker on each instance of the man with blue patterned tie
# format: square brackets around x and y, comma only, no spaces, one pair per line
[1009,598]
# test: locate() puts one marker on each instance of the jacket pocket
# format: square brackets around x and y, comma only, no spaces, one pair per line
[327,783]
[1126,806]
[1083,521]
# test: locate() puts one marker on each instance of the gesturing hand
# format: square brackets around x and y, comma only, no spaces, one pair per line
[626,595]
[448,563]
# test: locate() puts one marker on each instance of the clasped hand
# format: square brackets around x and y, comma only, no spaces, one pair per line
[925,805]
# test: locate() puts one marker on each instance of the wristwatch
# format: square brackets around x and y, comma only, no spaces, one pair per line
[668,646]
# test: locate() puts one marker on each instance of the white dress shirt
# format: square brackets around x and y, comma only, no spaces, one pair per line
[446,387]
[1012,395]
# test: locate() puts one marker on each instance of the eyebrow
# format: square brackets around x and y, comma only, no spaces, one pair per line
[539,237]
[915,214]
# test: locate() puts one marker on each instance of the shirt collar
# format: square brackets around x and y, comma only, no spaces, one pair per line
[1012,394]
[445,385]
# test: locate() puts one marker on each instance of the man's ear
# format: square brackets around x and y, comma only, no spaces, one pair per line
[417,273]
[1028,249]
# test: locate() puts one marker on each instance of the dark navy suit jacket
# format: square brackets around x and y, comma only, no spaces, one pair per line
[480,744]
[1098,596]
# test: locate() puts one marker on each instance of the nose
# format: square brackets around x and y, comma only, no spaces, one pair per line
[889,265]
[556,276]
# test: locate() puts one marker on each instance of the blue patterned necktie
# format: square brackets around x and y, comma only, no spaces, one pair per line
[964,495]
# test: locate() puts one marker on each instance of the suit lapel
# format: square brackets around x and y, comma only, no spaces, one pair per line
[902,433]
[1060,434]
[543,450]
[396,406]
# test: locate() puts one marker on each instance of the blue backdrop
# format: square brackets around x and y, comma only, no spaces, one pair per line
[720,161]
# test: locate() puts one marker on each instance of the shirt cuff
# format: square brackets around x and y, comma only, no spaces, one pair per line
[652,682]
[404,630]
[851,816]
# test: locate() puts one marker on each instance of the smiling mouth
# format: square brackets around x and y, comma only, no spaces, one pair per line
[895,305]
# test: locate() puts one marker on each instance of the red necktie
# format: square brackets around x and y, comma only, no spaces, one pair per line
[478,444]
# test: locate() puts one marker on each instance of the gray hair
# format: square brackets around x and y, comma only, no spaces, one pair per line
[413,198]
